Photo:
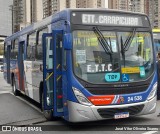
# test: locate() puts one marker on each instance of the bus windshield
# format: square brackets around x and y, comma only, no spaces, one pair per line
[132,56]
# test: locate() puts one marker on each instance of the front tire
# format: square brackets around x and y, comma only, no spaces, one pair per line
[14,89]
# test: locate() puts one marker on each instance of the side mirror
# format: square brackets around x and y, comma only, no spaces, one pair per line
[68,41]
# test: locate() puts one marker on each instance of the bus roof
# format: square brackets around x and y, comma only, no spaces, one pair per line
[62,15]
[104,10]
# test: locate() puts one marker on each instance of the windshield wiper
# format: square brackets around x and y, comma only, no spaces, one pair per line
[107,47]
[127,44]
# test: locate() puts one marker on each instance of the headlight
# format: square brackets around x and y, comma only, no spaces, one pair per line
[80,97]
[153,92]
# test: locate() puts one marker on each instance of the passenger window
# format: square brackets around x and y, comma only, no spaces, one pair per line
[39,52]
[31,46]
[12,50]
[16,49]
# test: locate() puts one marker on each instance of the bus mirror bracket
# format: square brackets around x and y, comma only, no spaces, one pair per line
[68,41]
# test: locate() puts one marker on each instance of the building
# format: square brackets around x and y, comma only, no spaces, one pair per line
[104,3]
[127,5]
[5,22]
[118,4]
[152,9]
[159,13]
[113,4]
[91,4]
[36,10]
[149,7]
[153,12]
[5,18]
[52,6]
[136,6]
[26,12]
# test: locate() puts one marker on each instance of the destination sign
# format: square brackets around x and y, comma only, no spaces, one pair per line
[117,20]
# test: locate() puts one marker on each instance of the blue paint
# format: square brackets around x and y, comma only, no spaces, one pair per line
[112,77]
[125,77]
[142,72]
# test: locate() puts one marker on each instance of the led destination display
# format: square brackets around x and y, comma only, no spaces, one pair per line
[111,20]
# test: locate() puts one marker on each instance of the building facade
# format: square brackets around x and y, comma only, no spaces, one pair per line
[91,3]
[119,4]
[153,13]
[5,22]
[159,13]
[149,7]
[127,5]
[26,12]
[5,18]
[136,6]
[52,6]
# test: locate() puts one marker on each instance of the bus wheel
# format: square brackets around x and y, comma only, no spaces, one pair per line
[48,114]
[14,90]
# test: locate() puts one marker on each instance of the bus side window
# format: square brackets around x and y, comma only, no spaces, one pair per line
[39,51]
[31,46]
[12,50]
[16,49]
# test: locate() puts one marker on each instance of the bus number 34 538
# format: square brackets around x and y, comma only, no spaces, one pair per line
[134,98]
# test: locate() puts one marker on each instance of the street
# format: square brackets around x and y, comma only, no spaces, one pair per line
[23,111]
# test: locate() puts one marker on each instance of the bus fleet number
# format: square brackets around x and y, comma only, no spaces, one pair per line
[135,98]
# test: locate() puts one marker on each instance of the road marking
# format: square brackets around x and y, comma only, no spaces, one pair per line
[5,92]
[150,132]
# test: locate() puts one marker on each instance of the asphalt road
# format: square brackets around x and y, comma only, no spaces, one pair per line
[22,111]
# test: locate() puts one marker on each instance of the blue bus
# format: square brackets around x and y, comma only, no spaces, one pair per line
[85,64]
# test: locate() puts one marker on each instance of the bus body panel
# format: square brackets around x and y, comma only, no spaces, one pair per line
[81,113]
[127,98]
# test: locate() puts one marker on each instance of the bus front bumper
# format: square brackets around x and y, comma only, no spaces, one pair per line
[82,113]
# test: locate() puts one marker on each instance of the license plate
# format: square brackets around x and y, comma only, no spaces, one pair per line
[121,115]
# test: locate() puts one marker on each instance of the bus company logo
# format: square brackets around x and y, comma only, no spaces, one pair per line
[100,99]
[121,100]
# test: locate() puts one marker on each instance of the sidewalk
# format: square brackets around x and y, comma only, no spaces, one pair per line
[4,87]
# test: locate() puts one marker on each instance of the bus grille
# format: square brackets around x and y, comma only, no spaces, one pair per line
[116,91]
[110,112]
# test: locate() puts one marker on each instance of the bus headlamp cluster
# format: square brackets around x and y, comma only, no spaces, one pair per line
[80,97]
[153,92]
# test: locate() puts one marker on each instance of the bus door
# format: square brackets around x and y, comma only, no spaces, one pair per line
[52,72]
[21,66]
